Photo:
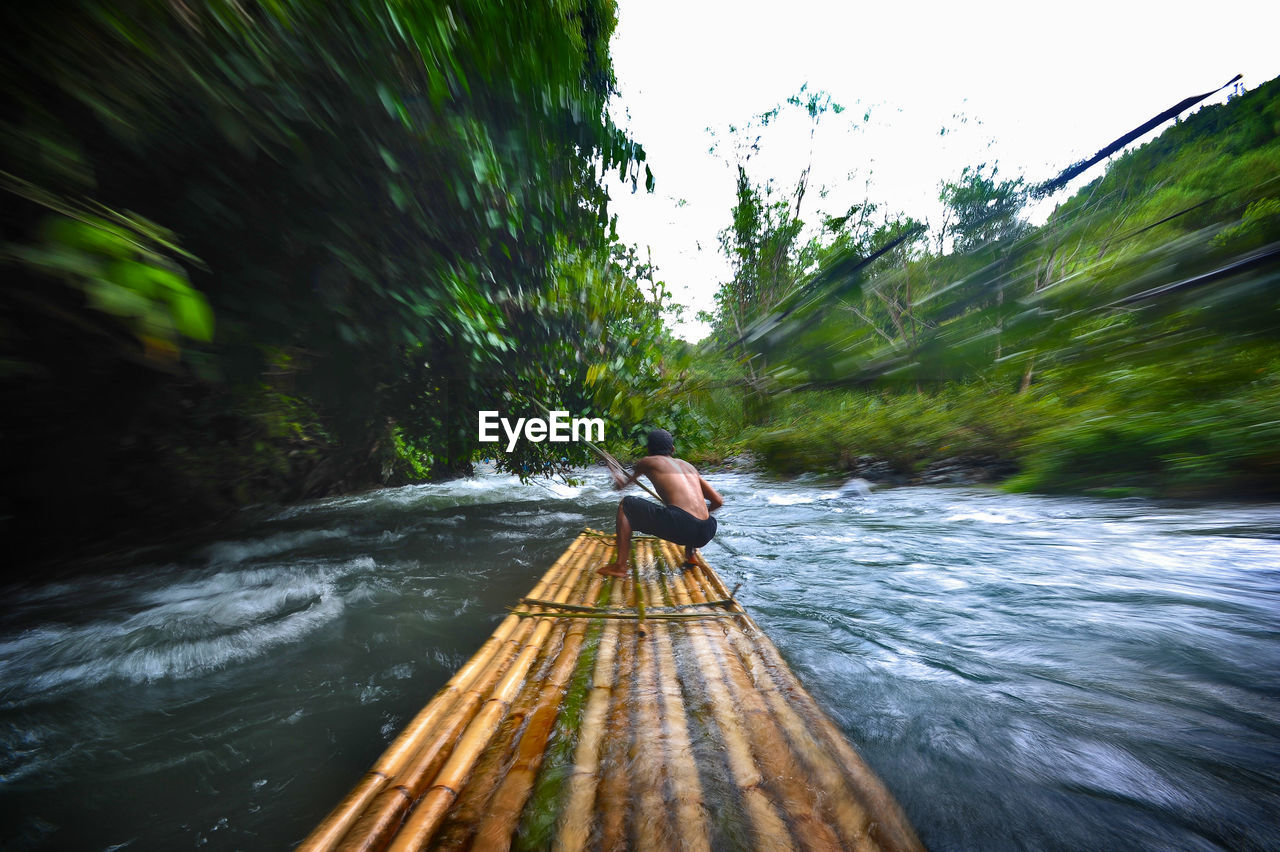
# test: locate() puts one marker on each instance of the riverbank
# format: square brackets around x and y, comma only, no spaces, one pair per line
[877,472]
[1125,439]
[1130,438]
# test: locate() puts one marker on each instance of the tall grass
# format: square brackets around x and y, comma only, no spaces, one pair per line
[1145,431]
[839,431]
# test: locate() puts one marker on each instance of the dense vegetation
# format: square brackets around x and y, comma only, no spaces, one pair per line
[1130,344]
[261,251]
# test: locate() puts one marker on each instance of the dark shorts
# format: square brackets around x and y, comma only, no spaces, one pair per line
[668,522]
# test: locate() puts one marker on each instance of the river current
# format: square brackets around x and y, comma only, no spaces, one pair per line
[1023,672]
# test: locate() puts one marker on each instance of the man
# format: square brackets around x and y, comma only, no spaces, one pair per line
[685,519]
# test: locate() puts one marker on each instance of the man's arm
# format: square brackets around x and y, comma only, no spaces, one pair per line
[620,482]
[713,497]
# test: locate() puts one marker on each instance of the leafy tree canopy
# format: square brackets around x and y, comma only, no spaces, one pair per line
[274,248]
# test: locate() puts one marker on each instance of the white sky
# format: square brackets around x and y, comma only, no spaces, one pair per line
[1031,86]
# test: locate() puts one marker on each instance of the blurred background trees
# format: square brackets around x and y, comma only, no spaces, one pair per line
[271,250]
[1130,344]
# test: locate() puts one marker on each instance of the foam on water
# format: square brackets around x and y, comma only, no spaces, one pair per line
[485,488]
[235,552]
[982,517]
[790,499]
[186,629]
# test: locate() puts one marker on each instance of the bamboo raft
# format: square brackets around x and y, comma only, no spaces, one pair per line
[640,713]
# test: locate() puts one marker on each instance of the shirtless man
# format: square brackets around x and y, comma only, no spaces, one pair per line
[685,519]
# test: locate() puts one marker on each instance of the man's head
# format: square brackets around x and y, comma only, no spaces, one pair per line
[660,442]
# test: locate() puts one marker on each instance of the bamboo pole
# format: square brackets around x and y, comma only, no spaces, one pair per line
[572,828]
[457,830]
[551,605]
[498,822]
[690,807]
[616,465]
[383,817]
[884,822]
[537,824]
[630,616]
[890,827]
[614,785]
[710,579]
[459,826]
[852,821]
[652,827]
[462,772]
[560,653]
[609,460]
[771,748]
[639,590]
[846,813]
[391,763]
[849,815]
[767,825]
[726,602]
[431,808]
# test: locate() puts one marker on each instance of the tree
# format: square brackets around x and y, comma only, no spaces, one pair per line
[980,209]
[888,302]
[364,219]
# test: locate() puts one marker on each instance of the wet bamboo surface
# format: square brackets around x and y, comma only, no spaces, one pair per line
[646,712]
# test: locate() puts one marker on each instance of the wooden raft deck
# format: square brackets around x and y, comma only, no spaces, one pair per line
[575,728]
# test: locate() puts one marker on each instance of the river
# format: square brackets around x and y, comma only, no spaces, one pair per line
[1024,672]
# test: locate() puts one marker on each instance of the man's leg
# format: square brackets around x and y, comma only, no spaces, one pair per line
[708,532]
[618,567]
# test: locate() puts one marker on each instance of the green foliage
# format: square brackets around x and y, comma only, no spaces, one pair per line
[1187,445]
[838,431]
[122,273]
[1122,342]
[411,458]
[765,241]
[981,209]
[248,447]
[1259,224]
[406,197]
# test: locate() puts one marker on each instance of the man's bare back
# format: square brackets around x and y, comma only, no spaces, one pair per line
[678,483]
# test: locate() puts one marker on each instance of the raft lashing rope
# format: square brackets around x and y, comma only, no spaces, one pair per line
[589,720]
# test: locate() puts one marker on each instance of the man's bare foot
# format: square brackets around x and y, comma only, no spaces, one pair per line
[613,569]
[689,562]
